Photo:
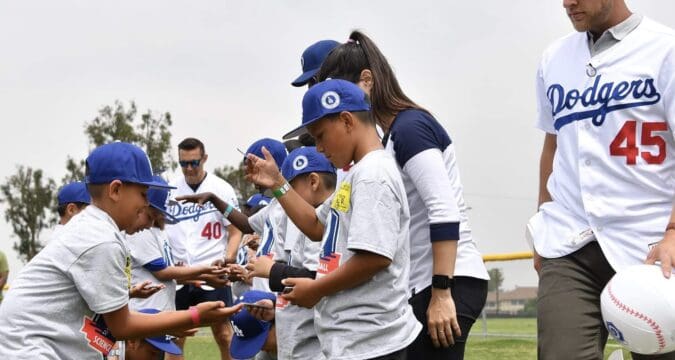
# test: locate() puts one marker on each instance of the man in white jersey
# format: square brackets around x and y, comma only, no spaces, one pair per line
[202,236]
[606,102]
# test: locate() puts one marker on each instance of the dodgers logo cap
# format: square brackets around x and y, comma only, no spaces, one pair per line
[120,161]
[275,147]
[305,160]
[74,192]
[258,200]
[158,199]
[163,343]
[249,333]
[327,98]
[312,58]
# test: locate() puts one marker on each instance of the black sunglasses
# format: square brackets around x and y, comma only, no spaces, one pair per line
[194,163]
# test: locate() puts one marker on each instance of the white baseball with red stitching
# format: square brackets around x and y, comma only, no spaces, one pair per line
[638,309]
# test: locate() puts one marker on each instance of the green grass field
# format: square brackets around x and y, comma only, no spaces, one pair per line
[478,347]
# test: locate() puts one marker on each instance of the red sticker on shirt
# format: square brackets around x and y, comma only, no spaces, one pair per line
[97,334]
[281,302]
[328,264]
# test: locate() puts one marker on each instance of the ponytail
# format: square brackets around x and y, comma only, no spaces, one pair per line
[348,60]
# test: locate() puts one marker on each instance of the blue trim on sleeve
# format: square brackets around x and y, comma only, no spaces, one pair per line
[444,231]
[156,265]
[414,131]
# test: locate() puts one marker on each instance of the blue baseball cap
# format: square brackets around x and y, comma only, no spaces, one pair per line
[249,333]
[258,200]
[74,192]
[158,198]
[312,58]
[327,98]
[275,147]
[163,343]
[120,161]
[305,160]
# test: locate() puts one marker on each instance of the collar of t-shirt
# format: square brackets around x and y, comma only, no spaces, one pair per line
[613,35]
[196,186]
[101,215]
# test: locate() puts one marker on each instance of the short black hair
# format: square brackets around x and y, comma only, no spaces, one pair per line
[62,207]
[329,180]
[191,144]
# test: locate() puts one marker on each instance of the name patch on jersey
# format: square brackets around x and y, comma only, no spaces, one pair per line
[97,334]
[190,211]
[610,96]
[342,197]
[328,264]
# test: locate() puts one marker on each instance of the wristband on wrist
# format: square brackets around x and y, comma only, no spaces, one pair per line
[281,191]
[228,211]
[194,315]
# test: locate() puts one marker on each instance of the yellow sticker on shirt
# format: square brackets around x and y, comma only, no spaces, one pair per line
[341,198]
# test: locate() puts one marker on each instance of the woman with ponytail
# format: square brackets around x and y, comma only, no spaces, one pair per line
[448,280]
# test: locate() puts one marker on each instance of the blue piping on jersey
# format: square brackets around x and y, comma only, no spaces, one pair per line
[156,265]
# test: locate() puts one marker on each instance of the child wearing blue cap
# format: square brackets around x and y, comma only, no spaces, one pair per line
[152,259]
[72,198]
[71,300]
[448,279]
[251,335]
[312,176]
[360,294]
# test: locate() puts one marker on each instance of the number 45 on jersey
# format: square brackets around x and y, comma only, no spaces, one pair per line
[625,143]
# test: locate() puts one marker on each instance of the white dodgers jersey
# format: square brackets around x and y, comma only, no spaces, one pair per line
[200,236]
[613,114]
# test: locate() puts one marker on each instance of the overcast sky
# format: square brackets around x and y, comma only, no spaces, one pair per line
[223,70]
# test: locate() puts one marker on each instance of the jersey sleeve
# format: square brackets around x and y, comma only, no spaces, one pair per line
[545,120]
[257,221]
[143,248]
[428,174]
[99,277]
[667,83]
[375,220]
[415,131]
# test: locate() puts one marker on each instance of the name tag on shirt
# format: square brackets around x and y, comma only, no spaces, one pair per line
[328,264]
[342,197]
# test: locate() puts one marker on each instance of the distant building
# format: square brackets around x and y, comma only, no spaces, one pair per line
[511,302]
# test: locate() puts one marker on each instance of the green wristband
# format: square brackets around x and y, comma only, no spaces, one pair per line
[282,190]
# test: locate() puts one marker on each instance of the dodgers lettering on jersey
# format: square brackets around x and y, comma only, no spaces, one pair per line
[596,101]
[612,172]
[200,236]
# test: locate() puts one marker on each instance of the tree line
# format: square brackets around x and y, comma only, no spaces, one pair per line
[29,196]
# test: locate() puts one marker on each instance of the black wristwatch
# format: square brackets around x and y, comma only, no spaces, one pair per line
[442,282]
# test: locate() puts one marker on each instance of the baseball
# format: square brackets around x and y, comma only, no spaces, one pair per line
[638,309]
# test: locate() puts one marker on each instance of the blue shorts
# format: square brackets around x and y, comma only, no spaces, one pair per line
[191,295]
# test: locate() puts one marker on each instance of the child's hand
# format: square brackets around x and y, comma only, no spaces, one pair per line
[200,198]
[260,313]
[237,272]
[215,270]
[259,267]
[304,292]
[252,241]
[215,311]
[263,172]
[216,281]
[144,290]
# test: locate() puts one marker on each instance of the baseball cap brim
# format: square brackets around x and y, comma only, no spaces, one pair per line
[247,348]
[168,347]
[155,184]
[303,79]
[170,219]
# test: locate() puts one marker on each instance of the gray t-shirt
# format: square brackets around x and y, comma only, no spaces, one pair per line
[145,247]
[52,310]
[368,212]
[296,335]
